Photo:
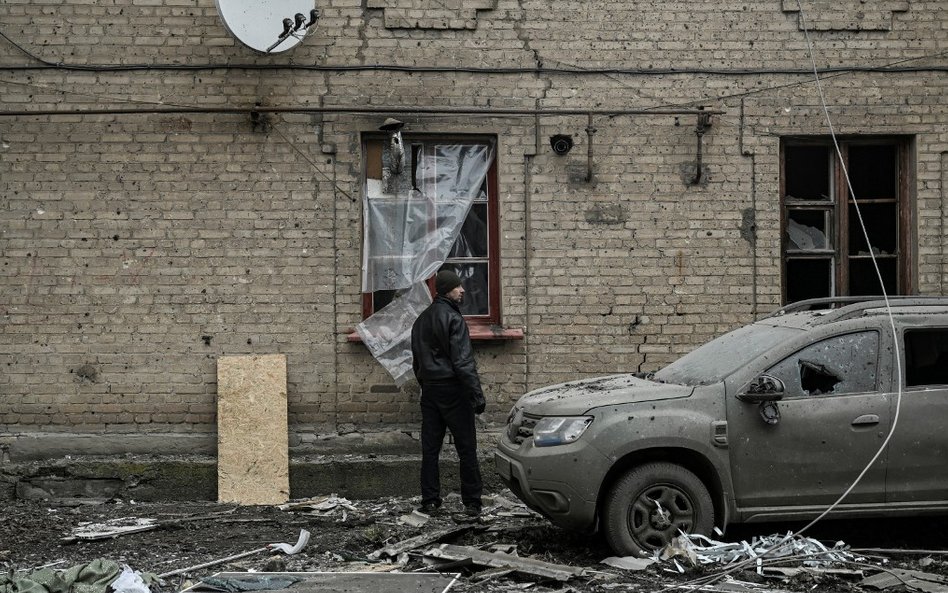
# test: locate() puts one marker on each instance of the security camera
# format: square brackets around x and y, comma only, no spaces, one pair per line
[561,143]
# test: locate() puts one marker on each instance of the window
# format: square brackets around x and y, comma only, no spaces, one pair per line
[926,357]
[839,365]
[824,249]
[475,254]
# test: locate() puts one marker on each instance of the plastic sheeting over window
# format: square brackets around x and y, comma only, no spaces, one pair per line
[412,221]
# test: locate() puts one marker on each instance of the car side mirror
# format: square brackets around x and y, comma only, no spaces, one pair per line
[765,388]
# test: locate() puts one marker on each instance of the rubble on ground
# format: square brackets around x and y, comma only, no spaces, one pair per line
[386,543]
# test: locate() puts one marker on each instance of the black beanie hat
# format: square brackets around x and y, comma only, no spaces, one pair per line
[446,281]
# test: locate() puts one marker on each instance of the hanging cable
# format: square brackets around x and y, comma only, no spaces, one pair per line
[875,265]
[898,357]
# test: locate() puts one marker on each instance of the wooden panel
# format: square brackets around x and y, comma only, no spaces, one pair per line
[252,455]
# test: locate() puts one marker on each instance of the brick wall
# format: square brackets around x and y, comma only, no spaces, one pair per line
[137,248]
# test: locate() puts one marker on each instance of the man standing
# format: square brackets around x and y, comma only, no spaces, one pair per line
[451,395]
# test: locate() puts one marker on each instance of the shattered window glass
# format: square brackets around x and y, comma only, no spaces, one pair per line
[838,365]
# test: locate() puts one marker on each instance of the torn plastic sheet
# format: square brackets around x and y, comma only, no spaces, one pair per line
[387,333]
[412,221]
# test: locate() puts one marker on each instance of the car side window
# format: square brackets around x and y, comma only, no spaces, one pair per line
[839,365]
[926,357]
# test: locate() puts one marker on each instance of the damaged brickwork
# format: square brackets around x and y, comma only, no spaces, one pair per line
[139,248]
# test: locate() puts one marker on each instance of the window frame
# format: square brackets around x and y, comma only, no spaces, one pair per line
[841,222]
[494,316]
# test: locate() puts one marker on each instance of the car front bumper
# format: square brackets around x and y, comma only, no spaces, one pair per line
[561,483]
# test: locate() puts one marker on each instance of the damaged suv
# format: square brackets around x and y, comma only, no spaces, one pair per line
[772,421]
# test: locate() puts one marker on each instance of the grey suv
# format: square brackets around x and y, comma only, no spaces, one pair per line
[772,421]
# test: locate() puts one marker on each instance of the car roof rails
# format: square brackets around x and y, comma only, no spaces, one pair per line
[856,303]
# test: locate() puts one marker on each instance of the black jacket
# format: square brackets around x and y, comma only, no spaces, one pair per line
[441,349]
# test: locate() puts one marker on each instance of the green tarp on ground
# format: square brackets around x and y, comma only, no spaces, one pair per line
[94,577]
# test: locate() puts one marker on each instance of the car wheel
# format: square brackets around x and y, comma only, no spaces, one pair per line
[651,503]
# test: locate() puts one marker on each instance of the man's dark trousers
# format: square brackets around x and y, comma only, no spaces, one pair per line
[446,406]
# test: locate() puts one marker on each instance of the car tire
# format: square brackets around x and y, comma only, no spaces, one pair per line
[648,506]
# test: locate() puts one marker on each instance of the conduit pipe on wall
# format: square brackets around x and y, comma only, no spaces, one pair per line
[484,111]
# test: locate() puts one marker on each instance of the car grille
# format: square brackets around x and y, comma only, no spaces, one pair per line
[520,427]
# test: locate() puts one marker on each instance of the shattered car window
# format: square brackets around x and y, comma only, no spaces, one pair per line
[839,365]
[720,357]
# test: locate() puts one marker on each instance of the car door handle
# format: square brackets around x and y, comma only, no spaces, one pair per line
[866,419]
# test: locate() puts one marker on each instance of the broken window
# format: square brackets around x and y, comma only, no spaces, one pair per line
[926,357]
[838,365]
[825,252]
[435,209]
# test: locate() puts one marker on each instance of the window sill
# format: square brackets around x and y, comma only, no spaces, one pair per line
[479,333]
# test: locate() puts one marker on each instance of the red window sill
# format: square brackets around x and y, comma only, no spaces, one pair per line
[479,333]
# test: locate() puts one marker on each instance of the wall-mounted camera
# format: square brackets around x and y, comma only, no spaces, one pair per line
[561,143]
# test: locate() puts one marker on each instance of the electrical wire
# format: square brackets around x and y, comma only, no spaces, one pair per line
[515,70]
[306,158]
[875,264]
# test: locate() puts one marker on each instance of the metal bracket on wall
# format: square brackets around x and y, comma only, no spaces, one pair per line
[590,130]
[702,126]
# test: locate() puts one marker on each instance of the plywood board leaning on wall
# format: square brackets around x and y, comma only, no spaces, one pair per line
[252,455]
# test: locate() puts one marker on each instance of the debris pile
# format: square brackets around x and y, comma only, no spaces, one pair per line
[775,549]
[389,545]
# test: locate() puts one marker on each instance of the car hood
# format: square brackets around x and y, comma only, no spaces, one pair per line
[578,397]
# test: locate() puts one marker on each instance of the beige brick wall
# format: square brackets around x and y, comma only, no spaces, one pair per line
[135,249]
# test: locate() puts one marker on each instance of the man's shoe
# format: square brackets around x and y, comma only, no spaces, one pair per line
[472,510]
[429,508]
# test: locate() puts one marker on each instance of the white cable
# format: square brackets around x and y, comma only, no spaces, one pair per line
[885,296]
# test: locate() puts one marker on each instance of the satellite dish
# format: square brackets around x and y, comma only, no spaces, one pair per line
[268,26]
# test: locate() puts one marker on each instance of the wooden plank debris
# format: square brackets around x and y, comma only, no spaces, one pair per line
[913,579]
[792,571]
[126,525]
[539,568]
[418,541]
[629,562]
[111,529]
[252,434]
[311,582]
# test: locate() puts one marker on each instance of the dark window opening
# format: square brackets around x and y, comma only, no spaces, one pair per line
[815,162]
[873,171]
[863,280]
[926,357]
[882,226]
[819,275]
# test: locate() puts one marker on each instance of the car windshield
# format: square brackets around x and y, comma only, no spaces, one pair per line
[722,356]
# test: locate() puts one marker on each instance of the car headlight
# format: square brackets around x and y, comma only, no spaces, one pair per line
[552,431]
